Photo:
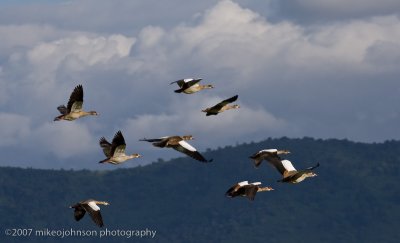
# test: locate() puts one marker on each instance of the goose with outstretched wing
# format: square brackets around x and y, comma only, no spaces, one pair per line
[290,174]
[115,151]
[190,85]
[178,143]
[222,106]
[74,110]
[268,155]
[90,206]
[246,189]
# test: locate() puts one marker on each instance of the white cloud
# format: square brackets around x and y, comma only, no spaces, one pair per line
[81,51]
[292,80]
[63,139]
[14,128]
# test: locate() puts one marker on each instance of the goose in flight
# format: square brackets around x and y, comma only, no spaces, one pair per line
[245,189]
[290,174]
[221,106]
[268,155]
[115,151]
[74,110]
[91,207]
[178,143]
[190,85]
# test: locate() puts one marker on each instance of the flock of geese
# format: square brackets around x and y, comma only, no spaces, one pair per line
[115,151]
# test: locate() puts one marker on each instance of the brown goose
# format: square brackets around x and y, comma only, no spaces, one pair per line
[190,85]
[91,207]
[222,106]
[267,154]
[178,143]
[74,110]
[290,174]
[115,151]
[245,189]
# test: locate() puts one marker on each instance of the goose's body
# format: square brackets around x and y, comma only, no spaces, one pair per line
[178,143]
[221,106]
[115,151]
[244,189]
[91,207]
[268,155]
[191,85]
[290,174]
[74,110]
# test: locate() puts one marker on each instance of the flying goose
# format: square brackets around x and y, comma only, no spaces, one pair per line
[190,85]
[267,154]
[290,174]
[178,143]
[115,151]
[91,207]
[245,189]
[222,106]
[74,110]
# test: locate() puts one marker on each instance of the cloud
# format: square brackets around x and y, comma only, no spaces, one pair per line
[14,128]
[63,140]
[337,79]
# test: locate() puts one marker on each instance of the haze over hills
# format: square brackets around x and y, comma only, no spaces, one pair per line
[354,198]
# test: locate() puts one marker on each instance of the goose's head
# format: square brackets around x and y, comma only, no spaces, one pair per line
[209,86]
[93,113]
[284,151]
[136,155]
[310,174]
[235,107]
[187,137]
[263,189]
[102,203]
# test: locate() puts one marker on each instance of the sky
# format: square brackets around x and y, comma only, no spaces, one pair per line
[301,68]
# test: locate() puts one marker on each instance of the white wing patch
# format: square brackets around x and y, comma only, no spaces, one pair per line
[187,80]
[243,183]
[288,165]
[256,183]
[94,206]
[269,150]
[187,146]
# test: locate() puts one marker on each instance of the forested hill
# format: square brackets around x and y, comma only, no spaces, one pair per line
[354,198]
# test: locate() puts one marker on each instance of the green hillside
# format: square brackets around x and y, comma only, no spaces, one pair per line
[354,198]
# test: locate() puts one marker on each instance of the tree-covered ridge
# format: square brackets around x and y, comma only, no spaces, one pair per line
[354,198]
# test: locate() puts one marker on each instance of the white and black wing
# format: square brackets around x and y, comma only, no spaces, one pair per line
[118,144]
[76,99]
[216,108]
[189,150]
[234,190]
[94,212]
[187,82]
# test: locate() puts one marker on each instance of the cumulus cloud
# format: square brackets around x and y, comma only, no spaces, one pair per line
[63,140]
[329,80]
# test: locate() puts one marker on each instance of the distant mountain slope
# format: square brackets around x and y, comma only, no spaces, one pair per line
[354,198]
